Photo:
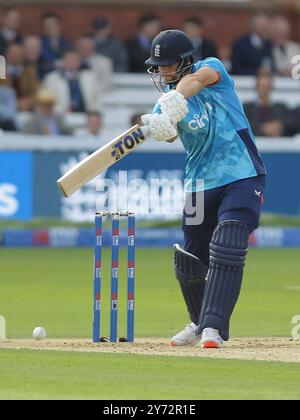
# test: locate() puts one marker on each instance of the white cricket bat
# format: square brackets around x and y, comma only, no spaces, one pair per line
[102,159]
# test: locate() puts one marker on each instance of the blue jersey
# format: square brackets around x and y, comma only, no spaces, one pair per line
[216,134]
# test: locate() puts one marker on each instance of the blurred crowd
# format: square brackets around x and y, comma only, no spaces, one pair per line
[49,76]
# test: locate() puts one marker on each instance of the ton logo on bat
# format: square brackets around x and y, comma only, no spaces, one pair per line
[127,143]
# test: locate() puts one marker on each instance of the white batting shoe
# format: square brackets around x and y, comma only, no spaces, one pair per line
[186,337]
[211,339]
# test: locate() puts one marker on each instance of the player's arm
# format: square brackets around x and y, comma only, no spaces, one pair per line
[174,103]
[191,84]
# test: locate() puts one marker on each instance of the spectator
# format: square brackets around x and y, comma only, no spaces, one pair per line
[21,76]
[266,118]
[284,49]
[108,45]
[32,50]
[100,65]
[8,108]
[139,46]
[254,51]
[75,90]
[93,127]
[204,48]
[54,44]
[44,121]
[9,33]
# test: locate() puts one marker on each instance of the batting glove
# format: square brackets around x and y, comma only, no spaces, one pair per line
[174,105]
[161,127]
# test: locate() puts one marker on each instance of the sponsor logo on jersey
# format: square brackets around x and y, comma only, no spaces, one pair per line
[200,121]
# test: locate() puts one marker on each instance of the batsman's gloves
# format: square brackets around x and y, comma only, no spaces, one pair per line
[174,105]
[161,127]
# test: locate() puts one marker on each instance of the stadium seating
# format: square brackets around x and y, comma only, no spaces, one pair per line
[134,93]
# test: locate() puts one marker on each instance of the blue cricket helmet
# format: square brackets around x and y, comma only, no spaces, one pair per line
[170,47]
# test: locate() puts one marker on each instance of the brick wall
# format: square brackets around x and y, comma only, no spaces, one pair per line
[221,25]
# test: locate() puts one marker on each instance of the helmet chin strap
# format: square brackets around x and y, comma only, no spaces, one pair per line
[159,79]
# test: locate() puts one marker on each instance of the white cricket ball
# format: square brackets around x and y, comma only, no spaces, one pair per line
[39,333]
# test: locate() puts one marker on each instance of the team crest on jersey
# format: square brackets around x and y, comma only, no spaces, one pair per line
[157,50]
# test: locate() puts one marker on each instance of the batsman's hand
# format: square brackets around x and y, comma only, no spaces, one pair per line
[174,105]
[161,127]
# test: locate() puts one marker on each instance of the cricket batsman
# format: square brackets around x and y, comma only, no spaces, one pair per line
[200,104]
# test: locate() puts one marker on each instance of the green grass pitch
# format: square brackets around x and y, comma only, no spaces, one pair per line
[53,288]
